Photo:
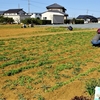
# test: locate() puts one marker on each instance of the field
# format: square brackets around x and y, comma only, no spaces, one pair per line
[46,63]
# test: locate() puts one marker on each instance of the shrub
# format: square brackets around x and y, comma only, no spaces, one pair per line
[68,21]
[32,20]
[44,22]
[6,20]
[77,21]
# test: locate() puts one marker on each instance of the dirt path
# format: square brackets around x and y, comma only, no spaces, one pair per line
[42,34]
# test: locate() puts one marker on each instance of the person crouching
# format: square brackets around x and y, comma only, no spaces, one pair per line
[96,39]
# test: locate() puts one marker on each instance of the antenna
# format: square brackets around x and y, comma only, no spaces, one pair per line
[29,6]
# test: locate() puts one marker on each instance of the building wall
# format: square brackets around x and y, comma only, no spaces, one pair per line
[49,16]
[36,15]
[10,14]
[22,17]
[17,18]
[98,20]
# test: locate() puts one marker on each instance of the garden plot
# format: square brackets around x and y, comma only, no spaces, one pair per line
[47,67]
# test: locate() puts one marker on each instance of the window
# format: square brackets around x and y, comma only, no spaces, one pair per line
[44,18]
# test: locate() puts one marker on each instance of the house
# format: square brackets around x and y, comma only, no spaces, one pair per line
[55,13]
[16,14]
[36,15]
[87,18]
[98,19]
[1,13]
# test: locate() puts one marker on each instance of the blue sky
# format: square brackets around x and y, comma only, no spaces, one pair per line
[74,7]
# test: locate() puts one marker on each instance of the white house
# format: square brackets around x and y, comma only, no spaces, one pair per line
[16,14]
[36,15]
[56,13]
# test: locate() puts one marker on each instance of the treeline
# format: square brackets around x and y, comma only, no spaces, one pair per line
[5,20]
[74,21]
[36,21]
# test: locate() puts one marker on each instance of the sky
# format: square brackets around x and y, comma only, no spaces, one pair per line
[74,8]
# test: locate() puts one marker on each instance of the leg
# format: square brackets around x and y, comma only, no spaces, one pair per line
[96,43]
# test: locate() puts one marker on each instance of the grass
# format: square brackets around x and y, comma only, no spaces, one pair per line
[33,66]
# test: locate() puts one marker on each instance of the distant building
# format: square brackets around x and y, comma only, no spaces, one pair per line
[16,14]
[88,18]
[98,19]
[36,15]
[55,13]
[1,13]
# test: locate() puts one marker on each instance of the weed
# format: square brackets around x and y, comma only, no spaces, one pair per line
[38,81]
[45,87]
[76,70]
[39,97]
[42,73]
[21,97]
[91,84]
[2,42]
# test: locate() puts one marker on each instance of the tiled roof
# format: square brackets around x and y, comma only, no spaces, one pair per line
[92,18]
[55,5]
[13,10]
[86,17]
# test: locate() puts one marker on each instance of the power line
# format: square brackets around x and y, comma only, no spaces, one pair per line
[39,2]
[66,7]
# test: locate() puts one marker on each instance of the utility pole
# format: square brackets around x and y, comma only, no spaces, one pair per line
[29,6]
[87,11]
[18,6]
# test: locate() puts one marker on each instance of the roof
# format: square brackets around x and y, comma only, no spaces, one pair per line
[1,12]
[13,10]
[92,18]
[56,12]
[55,5]
[85,17]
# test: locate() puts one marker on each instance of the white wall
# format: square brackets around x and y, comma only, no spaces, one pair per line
[49,15]
[35,15]
[17,18]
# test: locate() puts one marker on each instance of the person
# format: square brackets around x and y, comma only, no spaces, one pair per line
[96,39]
[23,26]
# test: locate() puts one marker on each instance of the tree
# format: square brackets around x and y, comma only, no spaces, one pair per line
[6,20]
